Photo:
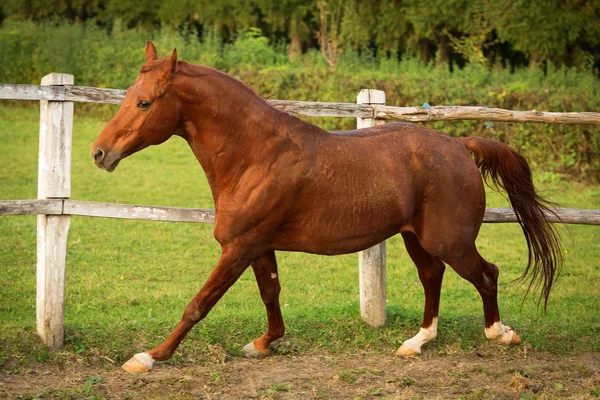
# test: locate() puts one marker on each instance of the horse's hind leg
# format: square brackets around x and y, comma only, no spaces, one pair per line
[265,270]
[431,271]
[484,276]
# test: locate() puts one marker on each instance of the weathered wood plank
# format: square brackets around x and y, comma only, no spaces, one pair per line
[563,215]
[54,181]
[175,214]
[139,212]
[56,128]
[372,267]
[449,113]
[323,109]
[31,207]
[89,94]
[308,108]
[52,235]
[9,91]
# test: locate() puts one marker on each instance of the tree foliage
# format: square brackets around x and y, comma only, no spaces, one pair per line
[560,32]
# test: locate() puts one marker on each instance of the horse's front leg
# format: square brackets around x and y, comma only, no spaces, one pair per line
[265,270]
[229,268]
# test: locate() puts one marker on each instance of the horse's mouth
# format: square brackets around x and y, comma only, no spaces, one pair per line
[113,166]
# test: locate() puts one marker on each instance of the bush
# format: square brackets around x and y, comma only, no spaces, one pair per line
[102,59]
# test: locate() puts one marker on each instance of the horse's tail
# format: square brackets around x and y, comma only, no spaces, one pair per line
[509,170]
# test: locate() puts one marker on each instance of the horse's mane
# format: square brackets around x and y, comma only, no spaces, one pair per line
[189,69]
[149,66]
[196,70]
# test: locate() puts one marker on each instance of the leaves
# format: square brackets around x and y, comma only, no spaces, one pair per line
[516,31]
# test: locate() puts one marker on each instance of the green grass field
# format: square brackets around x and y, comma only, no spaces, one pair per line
[128,282]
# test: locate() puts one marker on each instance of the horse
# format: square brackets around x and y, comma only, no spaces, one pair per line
[282,184]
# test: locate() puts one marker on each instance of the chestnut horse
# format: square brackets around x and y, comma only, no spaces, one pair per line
[280,183]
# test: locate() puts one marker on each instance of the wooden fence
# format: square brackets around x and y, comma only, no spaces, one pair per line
[54,208]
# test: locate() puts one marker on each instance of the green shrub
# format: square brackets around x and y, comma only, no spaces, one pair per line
[99,58]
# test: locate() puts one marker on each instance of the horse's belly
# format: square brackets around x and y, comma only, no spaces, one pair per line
[330,245]
[330,232]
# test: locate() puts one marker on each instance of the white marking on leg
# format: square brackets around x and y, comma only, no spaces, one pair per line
[495,331]
[145,359]
[425,335]
[273,275]
[141,362]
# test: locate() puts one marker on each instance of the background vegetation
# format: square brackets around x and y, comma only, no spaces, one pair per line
[30,50]
[540,54]
[512,32]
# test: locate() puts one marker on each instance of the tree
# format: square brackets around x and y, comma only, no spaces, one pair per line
[433,24]
[549,30]
[563,32]
[477,29]
[292,19]
[330,15]
[40,10]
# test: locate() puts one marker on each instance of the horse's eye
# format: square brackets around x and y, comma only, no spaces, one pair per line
[143,104]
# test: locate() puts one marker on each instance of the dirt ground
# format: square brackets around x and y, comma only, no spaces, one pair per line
[470,375]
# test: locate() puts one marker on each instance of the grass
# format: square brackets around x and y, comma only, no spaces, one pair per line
[128,282]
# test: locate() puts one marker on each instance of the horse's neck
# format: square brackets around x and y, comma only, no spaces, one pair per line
[234,130]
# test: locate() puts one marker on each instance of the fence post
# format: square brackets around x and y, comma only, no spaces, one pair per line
[372,262]
[54,182]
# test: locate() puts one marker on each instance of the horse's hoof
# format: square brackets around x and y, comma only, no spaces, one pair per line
[516,339]
[510,336]
[405,351]
[142,362]
[250,351]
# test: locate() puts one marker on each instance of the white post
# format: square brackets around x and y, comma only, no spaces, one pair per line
[54,182]
[371,262]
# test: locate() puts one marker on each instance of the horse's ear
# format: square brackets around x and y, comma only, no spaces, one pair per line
[171,63]
[168,68]
[151,54]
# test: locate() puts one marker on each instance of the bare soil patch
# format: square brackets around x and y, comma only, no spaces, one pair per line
[468,375]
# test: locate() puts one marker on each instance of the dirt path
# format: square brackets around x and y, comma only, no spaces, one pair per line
[324,376]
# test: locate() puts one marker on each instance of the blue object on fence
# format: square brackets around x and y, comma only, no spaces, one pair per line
[427,107]
[489,124]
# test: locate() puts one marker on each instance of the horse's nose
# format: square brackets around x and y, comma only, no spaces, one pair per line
[99,156]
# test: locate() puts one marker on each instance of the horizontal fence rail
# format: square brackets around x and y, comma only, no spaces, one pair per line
[88,94]
[106,210]
[451,113]
[205,215]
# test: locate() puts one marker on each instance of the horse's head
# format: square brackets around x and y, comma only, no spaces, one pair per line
[149,114]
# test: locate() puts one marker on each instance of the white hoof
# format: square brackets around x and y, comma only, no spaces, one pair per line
[503,334]
[250,351]
[405,351]
[509,336]
[141,362]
